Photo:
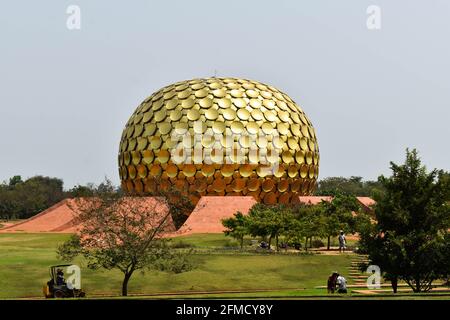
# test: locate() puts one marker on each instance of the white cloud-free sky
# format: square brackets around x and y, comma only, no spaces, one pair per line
[65,96]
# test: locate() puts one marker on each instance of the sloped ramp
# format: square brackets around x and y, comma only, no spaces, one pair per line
[60,218]
[210,210]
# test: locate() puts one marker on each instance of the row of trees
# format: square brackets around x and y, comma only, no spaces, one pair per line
[21,199]
[298,223]
[351,186]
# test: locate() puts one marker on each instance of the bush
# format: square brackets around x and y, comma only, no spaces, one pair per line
[181,244]
[317,243]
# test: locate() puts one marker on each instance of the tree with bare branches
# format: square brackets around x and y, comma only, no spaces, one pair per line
[126,233]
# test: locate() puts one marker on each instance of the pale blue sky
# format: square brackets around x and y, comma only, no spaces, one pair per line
[66,95]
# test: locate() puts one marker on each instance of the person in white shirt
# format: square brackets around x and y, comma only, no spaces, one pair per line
[342,241]
[342,284]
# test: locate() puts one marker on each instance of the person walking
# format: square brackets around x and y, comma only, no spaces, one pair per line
[342,241]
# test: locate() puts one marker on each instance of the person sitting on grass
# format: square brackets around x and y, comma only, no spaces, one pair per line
[342,284]
[331,283]
[60,277]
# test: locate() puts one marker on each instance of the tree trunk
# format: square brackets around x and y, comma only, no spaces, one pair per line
[306,243]
[270,241]
[328,243]
[394,282]
[242,242]
[276,241]
[310,242]
[125,283]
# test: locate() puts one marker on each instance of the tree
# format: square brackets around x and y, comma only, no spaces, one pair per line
[352,186]
[124,233]
[309,222]
[410,240]
[338,215]
[268,221]
[236,227]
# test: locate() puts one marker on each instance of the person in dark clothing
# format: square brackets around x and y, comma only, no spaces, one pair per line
[60,277]
[331,283]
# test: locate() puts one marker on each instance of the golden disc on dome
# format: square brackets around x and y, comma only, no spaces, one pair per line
[142,171]
[208,170]
[138,186]
[240,103]
[243,114]
[227,170]
[132,144]
[303,171]
[270,116]
[141,143]
[149,129]
[181,128]
[160,115]
[300,157]
[267,128]
[252,128]
[270,198]
[193,114]
[218,185]
[237,127]
[229,114]
[283,185]
[201,93]
[253,184]
[175,115]
[236,93]
[261,142]
[172,104]
[205,103]
[311,145]
[304,130]
[252,93]
[215,85]
[208,141]
[164,127]
[266,95]
[157,105]
[200,185]
[296,185]
[292,143]
[181,87]
[287,157]
[224,103]
[211,114]
[269,104]
[197,86]
[255,103]
[279,171]
[189,170]
[171,170]
[284,116]
[184,94]
[131,171]
[219,93]
[292,171]
[218,126]
[309,157]
[304,144]
[126,158]
[188,103]
[163,156]
[155,142]
[238,185]
[284,198]
[135,157]
[268,185]
[246,170]
[244,141]
[282,128]
[257,114]
[263,171]
[147,116]
[138,130]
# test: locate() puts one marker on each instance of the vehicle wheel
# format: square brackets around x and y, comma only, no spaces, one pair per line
[59,294]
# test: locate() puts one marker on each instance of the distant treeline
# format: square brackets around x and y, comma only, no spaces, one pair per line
[23,199]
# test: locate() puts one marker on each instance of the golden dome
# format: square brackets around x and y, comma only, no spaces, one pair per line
[220,136]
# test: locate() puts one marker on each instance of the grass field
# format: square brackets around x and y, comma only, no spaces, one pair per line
[221,272]
[25,259]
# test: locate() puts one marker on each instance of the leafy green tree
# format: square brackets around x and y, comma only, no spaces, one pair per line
[309,222]
[237,227]
[410,240]
[118,232]
[268,221]
[338,215]
[352,186]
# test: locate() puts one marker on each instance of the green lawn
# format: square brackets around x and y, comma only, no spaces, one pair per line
[24,261]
